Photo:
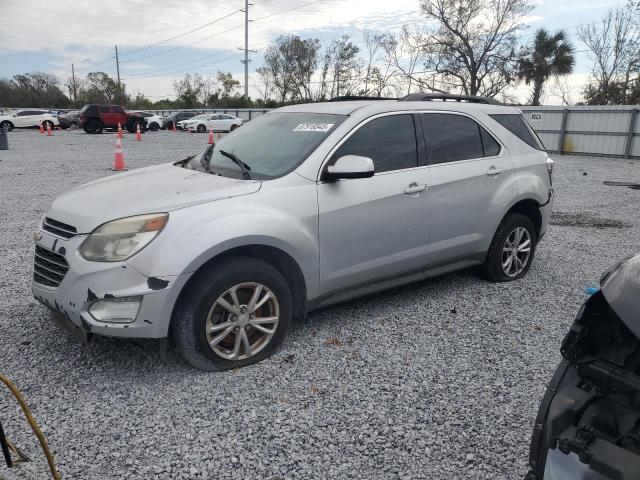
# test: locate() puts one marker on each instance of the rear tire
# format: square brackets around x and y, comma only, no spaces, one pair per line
[233,127]
[512,249]
[73,126]
[7,126]
[201,129]
[47,123]
[95,127]
[199,312]
[154,127]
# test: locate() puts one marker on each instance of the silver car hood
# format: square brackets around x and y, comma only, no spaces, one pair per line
[160,188]
[621,287]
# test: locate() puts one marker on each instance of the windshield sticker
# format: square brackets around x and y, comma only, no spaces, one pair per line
[313,127]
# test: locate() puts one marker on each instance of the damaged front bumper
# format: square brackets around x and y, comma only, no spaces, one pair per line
[85,283]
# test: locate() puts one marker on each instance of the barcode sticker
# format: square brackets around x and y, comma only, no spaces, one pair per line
[313,127]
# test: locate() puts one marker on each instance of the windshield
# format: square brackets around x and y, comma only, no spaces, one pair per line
[273,145]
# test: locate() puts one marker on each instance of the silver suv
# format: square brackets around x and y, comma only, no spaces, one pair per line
[303,207]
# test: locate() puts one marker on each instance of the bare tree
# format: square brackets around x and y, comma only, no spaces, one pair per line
[614,48]
[344,67]
[473,49]
[562,90]
[405,52]
[373,45]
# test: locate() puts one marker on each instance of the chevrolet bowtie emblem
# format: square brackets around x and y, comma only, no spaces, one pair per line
[37,237]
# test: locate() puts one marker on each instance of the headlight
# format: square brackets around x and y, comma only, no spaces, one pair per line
[118,240]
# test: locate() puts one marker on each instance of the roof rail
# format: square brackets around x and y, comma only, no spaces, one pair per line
[427,97]
[346,98]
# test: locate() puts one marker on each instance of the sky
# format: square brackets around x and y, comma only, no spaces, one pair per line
[161,40]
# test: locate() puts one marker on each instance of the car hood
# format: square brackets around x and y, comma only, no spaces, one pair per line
[160,188]
[620,285]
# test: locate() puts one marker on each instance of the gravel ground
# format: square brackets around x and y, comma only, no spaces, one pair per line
[438,380]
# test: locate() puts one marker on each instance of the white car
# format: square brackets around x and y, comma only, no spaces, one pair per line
[154,121]
[218,122]
[27,118]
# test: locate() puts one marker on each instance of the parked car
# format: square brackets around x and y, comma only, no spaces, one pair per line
[182,124]
[95,118]
[175,117]
[69,120]
[308,205]
[154,121]
[27,119]
[588,423]
[217,122]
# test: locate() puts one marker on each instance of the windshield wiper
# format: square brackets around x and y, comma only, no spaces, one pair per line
[183,163]
[244,168]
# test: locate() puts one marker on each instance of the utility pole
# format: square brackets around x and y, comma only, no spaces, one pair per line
[73,82]
[246,50]
[118,70]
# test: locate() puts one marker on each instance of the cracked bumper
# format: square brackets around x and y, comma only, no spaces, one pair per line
[86,282]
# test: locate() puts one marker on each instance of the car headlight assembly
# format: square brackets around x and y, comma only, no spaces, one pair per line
[118,240]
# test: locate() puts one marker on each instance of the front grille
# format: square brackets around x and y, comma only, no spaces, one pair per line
[58,228]
[49,267]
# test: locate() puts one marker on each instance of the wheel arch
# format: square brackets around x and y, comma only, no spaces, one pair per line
[276,257]
[529,208]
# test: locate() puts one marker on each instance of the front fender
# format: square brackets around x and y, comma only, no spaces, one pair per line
[198,233]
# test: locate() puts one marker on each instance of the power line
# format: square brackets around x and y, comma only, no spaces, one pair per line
[219,19]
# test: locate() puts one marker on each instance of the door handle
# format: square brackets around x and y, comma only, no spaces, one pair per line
[414,188]
[494,171]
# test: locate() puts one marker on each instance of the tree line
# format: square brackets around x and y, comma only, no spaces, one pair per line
[475,48]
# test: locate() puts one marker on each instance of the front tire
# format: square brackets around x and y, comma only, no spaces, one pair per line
[47,124]
[7,126]
[154,127]
[512,249]
[201,129]
[235,313]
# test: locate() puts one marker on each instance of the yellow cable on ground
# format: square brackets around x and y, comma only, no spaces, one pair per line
[32,422]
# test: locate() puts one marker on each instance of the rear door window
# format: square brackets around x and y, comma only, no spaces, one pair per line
[118,109]
[451,138]
[390,141]
[519,127]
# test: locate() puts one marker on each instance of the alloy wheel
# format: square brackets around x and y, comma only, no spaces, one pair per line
[516,252]
[242,321]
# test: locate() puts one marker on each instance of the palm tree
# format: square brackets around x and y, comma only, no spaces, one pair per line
[549,55]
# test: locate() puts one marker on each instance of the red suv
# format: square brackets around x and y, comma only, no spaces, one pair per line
[95,118]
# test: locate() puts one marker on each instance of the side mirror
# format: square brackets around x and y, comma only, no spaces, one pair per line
[350,166]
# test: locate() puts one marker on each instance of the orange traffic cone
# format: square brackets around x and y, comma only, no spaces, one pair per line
[173,127]
[119,130]
[211,137]
[219,136]
[138,134]
[49,134]
[41,128]
[118,161]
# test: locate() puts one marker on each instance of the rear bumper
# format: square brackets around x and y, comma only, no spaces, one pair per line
[545,212]
[87,282]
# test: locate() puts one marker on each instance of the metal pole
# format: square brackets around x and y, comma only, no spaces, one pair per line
[118,70]
[73,80]
[246,49]
[630,133]
[563,130]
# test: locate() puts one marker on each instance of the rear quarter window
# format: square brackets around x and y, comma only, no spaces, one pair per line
[519,127]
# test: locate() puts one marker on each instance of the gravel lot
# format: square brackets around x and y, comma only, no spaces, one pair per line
[437,380]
